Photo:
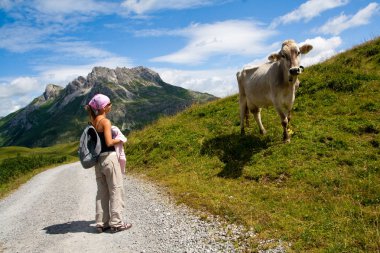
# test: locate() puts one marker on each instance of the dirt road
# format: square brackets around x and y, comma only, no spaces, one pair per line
[54,212]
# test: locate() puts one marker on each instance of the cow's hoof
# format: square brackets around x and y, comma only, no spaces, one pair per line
[287,141]
[263,132]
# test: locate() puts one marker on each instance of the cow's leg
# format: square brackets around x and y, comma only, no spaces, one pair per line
[243,114]
[257,114]
[289,117]
[286,136]
[284,123]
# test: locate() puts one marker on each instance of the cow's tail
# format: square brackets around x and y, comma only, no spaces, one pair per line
[239,77]
[242,97]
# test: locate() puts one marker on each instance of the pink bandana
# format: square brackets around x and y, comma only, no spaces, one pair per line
[99,101]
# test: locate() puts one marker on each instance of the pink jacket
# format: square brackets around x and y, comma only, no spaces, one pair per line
[119,148]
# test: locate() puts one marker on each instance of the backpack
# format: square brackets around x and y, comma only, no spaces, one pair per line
[89,147]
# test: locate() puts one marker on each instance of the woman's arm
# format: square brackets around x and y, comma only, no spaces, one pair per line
[108,134]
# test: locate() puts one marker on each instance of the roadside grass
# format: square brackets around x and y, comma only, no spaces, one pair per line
[19,164]
[320,193]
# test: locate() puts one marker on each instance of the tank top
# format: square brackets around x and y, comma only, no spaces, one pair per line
[105,148]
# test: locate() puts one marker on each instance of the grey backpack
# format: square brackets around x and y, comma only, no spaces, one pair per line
[89,147]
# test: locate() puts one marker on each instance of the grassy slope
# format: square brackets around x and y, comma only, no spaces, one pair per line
[68,151]
[321,192]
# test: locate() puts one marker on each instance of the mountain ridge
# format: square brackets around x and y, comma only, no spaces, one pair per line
[139,96]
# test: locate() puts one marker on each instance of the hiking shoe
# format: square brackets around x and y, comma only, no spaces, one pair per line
[123,227]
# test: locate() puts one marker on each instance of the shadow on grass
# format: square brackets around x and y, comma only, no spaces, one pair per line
[71,227]
[234,150]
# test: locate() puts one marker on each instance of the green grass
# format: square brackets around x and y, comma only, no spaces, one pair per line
[321,192]
[19,164]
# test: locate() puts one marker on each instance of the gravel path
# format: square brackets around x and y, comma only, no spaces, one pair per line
[54,212]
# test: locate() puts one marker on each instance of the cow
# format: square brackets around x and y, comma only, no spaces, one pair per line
[273,83]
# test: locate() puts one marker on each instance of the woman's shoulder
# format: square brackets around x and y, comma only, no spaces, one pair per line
[105,122]
[101,123]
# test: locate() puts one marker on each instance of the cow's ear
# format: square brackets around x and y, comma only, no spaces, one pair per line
[306,48]
[274,57]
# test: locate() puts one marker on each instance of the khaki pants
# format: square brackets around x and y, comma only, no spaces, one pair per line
[110,194]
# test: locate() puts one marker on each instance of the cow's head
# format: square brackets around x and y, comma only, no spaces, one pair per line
[289,56]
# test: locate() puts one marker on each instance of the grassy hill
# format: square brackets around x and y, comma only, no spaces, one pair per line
[19,164]
[320,193]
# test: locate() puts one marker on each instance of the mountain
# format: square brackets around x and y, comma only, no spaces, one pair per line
[139,96]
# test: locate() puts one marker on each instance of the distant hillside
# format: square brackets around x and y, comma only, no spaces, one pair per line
[19,164]
[320,193]
[139,96]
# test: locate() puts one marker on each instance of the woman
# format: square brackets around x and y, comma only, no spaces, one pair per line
[109,178]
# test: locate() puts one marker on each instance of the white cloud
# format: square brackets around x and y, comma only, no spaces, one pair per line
[12,104]
[219,82]
[140,7]
[64,12]
[73,6]
[322,49]
[308,11]
[5,4]
[19,38]
[232,37]
[18,92]
[18,86]
[342,22]
[80,49]
[38,24]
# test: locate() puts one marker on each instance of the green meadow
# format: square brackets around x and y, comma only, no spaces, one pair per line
[320,193]
[19,164]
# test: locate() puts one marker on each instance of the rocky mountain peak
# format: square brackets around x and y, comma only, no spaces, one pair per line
[123,75]
[52,91]
[102,74]
[146,74]
[77,84]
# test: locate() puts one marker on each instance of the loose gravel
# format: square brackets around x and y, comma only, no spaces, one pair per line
[55,210]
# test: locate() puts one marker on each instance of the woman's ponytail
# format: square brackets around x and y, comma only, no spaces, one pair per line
[91,113]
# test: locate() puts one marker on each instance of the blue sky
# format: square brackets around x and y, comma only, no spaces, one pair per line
[195,44]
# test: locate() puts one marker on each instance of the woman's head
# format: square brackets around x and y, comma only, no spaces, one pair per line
[99,101]
[98,104]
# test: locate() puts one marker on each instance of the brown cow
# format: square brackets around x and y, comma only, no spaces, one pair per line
[273,83]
